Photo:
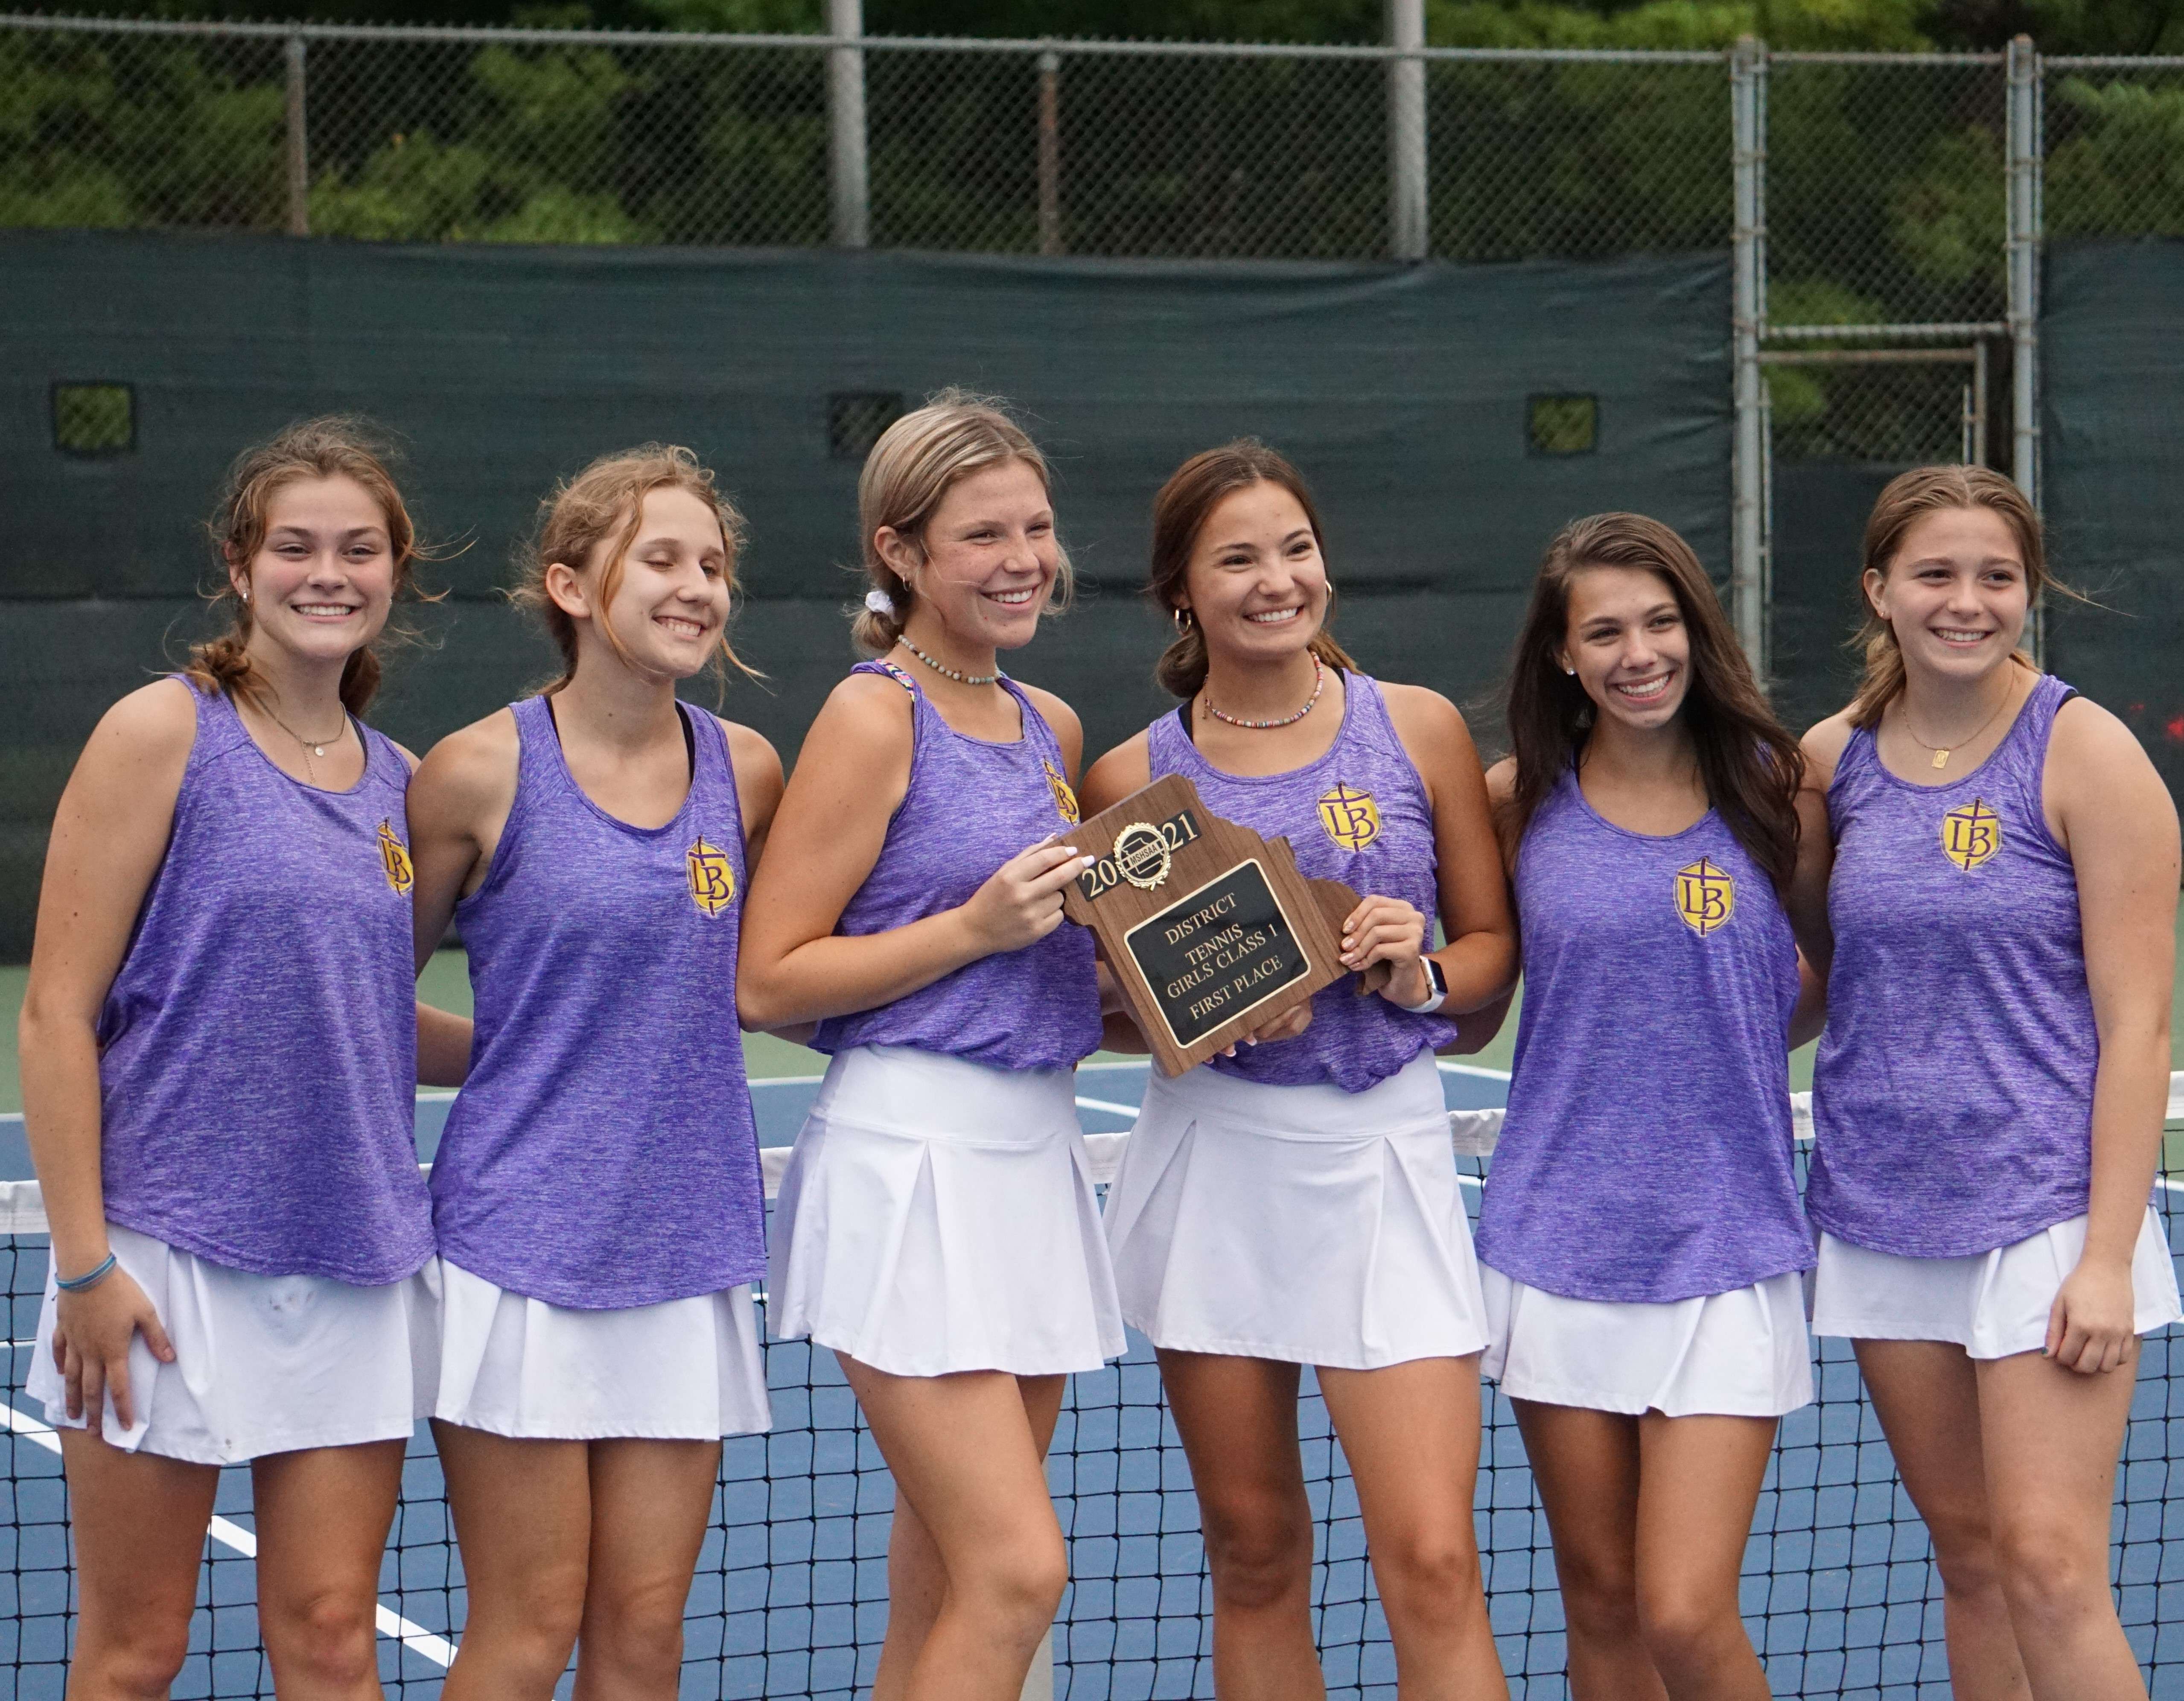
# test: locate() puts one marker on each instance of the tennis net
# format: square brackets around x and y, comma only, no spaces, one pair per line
[790,1597]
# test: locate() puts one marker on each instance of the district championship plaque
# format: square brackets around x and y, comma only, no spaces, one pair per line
[1210,929]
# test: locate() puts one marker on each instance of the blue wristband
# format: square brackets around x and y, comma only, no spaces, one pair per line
[91,1278]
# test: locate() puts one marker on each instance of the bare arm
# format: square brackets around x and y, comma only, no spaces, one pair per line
[443,1038]
[460,798]
[2115,818]
[1807,898]
[759,785]
[1477,1029]
[851,777]
[109,837]
[1480,959]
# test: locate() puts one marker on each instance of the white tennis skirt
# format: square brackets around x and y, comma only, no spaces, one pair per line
[1302,1224]
[937,1216]
[1741,1354]
[684,1369]
[263,1364]
[1992,1304]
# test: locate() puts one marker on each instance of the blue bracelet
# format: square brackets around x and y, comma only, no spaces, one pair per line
[90,1277]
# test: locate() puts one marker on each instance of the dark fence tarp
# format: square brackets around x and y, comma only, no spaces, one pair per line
[2112,382]
[1404,392]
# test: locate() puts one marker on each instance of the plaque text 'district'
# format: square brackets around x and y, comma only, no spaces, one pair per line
[1218,952]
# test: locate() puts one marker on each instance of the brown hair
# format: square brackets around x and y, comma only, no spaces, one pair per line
[1750,765]
[1909,498]
[1194,490]
[604,505]
[917,461]
[332,446]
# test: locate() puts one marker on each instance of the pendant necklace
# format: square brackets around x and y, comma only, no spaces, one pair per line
[312,747]
[993,678]
[1942,756]
[1318,685]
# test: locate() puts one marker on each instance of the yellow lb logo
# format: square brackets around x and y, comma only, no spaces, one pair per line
[1352,818]
[712,877]
[394,859]
[1971,834]
[1065,800]
[1706,896]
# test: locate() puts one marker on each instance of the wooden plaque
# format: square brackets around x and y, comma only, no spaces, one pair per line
[1210,929]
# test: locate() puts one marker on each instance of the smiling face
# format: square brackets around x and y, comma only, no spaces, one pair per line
[1955,593]
[988,560]
[1257,584]
[1626,639]
[321,583]
[667,609]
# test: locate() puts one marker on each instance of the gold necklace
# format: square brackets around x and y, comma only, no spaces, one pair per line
[1942,756]
[312,747]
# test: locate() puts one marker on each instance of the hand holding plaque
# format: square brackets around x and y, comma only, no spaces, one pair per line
[1210,930]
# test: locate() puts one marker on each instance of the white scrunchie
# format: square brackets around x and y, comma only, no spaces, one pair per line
[880,603]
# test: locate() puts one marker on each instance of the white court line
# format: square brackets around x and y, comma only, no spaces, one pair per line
[1472,1069]
[1112,1108]
[414,1636]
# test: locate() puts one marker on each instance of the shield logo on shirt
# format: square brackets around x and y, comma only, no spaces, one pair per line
[1706,896]
[1351,816]
[712,877]
[1971,834]
[394,859]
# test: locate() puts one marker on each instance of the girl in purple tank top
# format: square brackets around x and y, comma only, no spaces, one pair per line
[1988,1096]
[597,1191]
[1296,1202]
[221,1046]
[937,1226]
[1641,1232]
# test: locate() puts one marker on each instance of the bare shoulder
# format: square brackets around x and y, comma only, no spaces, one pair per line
[1058,715]
[1824,744]
[475,767]
[750,751]
[2099,758]
[1502,780]
[865,705]
[407,755]
[1126,768]
[155,722]
[1423,707]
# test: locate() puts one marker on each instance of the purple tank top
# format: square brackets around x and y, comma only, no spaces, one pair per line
[602,1153]
[1646,1152]
[971,806]
[1953,1097]
[1359,814]
[258,1050]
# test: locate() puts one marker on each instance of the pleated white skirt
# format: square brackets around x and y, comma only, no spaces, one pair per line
[1741,1354]
[685,1370]
[1300,1223]
[1992,1304]
[939,1216]
[263,1364]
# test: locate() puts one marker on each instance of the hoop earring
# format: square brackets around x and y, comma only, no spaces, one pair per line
[1185,620]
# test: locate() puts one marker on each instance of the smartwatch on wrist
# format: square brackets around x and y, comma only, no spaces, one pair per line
[1436,991]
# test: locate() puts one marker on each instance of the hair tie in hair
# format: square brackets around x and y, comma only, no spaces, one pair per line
[880,603]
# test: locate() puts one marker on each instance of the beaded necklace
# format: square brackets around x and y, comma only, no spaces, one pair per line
[1318,685]
[993,678]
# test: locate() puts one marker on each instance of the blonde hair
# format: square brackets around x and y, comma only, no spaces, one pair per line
[604,505]
[332,446]
[1909,498]
[917,461]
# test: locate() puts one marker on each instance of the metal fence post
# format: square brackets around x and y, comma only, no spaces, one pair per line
[299,150]
[2027,148]
[848,185]
[1407,131]
[1049,152]
[1747,572]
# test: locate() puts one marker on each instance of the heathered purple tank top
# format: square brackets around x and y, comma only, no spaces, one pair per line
[1359,814]
[971,806]
[1645,1155]
[602,1153]
[257,1060]
[1953,1097]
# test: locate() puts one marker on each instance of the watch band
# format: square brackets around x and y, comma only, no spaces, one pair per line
[1436,991]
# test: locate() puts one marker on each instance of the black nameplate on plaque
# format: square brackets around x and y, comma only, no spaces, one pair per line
[1218,953]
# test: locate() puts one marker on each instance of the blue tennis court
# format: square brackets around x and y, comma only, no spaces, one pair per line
[790,1597]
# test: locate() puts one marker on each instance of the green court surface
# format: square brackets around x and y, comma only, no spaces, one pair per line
[446,982]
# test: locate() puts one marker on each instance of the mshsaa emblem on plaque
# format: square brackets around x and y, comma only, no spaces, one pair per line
[712,877]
